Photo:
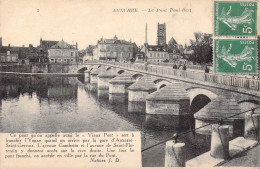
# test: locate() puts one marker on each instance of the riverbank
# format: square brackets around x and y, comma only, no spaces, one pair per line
[42,74]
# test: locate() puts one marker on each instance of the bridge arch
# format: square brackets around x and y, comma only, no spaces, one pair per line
[82,70]
[195,91]
[199,98]
[137,76]
[198,103]
[160,83]
[120,71]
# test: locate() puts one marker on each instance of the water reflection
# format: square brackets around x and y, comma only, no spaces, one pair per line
[68,104]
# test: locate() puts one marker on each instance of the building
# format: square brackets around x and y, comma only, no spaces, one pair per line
[156,53]
[113,49]
[8,57]
[62,52]
[21,55]
[161,34]
[8,54]
[43,48]
[88,54]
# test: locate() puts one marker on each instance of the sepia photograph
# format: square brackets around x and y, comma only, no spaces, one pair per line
[112,84]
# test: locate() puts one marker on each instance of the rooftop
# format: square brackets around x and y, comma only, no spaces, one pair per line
[62,45]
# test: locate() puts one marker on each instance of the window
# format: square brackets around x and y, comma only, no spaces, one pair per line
[71,59]
[158,55]
[52,60]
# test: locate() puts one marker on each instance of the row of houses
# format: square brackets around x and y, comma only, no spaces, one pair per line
[106,49]
[121,50]
[46,51]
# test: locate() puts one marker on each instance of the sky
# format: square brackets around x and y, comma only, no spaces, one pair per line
[23,22]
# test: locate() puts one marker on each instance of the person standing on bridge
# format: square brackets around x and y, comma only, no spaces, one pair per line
[184,67]
[146,66]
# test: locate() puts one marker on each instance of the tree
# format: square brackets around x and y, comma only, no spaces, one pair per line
[202,47]
[135,51]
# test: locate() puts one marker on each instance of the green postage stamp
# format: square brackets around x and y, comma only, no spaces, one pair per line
[234,18]
[235,56]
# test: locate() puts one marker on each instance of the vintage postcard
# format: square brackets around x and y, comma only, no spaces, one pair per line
[129,84]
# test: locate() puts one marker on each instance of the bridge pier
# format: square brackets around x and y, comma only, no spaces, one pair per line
[220,108]
[117,98]
[105,77]
[87,74]
[103,82]
[172,99]
[102,93]
[119,84]
[137,93]
[95,73]
[93,77]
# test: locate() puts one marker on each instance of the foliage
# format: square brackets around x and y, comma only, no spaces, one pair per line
[135,51]
[202,47]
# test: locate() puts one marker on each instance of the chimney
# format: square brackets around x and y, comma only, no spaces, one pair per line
[9,45]
[76,45]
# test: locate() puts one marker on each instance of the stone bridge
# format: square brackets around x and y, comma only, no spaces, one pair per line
[196,91]
[177,92]
[165,90]
[201,87]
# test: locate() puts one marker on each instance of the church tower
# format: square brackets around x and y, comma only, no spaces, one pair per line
[161,34]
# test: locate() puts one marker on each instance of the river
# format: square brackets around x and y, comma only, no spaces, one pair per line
[66,104]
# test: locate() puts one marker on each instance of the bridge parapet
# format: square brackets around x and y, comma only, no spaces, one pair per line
[195,76]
